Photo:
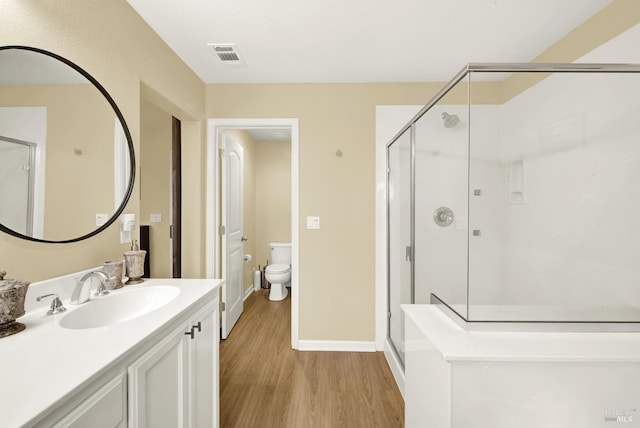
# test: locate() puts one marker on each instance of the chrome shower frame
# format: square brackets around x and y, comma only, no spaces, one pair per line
[466,71]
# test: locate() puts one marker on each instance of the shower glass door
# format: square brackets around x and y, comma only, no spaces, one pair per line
[400,252]
[441,203]
[16,185]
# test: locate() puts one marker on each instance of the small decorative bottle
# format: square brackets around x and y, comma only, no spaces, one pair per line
[134,261]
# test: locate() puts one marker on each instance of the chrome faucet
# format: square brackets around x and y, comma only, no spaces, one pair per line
[80,295]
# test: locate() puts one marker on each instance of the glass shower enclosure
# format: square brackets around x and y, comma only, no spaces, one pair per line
[513,200]
[17,168]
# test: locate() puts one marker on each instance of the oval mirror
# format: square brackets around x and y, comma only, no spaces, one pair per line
[66,155]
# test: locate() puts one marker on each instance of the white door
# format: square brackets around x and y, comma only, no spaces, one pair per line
[232,238]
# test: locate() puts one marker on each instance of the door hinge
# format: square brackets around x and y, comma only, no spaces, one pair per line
[407,255]
[221,152]
[222,230]
[224,306]
[389,315]
[171,232]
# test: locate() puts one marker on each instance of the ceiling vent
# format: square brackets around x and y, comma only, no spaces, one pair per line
[228,54]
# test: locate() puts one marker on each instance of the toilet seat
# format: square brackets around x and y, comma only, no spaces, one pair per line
[278,268]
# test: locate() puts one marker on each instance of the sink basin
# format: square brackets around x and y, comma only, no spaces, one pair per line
[119,306]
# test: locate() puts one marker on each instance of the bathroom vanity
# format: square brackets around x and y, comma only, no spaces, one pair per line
[471,379]
[146,358]
[145,355]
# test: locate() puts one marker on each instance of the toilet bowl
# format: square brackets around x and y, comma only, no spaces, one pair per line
[278,273]
[279,276]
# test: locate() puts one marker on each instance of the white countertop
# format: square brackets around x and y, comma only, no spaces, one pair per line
[457,344]
[46,363]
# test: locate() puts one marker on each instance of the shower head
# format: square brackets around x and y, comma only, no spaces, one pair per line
[450,120]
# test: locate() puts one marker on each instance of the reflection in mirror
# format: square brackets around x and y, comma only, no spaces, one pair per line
[66,155]
[17,167]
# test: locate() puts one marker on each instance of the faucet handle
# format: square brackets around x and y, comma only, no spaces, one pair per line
[101,290]
[56,304]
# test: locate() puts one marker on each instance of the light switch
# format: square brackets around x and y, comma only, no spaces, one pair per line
[155,218]
[101,219]
[313,222]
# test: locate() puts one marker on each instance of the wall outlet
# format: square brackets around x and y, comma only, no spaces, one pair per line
[101,219]
[313,222]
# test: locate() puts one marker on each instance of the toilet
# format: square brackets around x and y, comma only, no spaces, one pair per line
[278,273]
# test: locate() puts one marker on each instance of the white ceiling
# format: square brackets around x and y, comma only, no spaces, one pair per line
[359,40]
[270,134]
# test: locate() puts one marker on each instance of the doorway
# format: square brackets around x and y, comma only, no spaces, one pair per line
[160,189]
[175,233]
[215,131]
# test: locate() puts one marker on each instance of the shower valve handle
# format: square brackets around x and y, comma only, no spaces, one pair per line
[443,216]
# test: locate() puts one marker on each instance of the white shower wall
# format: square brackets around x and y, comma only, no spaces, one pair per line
[574,240]
[571,236]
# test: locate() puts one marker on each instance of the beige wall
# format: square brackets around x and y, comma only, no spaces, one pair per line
[78,118]
[336,262]
[273,196]
[155,184]
[615,18]
[110,41]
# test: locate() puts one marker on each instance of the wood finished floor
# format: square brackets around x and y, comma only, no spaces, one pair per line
[264,383]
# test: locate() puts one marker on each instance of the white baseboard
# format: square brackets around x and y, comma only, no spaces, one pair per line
[336,345]
[247,293]
[395,365]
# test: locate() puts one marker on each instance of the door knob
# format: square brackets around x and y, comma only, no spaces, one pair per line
[244,238]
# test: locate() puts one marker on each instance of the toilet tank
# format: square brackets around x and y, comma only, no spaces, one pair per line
[280,253]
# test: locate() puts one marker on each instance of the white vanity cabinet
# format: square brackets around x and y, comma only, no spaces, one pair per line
[174,384]
[204,367]
[156,371]
[105,408]
[158,383]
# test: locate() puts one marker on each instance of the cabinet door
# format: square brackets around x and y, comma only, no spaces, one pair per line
[105,408]
[203,353]
[158,384]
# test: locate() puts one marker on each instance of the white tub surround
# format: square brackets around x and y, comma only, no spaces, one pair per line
[457,378]
[55,375]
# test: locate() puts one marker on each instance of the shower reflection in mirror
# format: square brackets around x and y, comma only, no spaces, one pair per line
[17,185]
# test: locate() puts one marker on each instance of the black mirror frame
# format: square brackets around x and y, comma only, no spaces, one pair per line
[127,134]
